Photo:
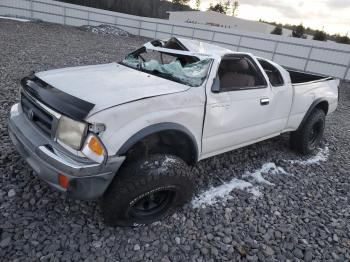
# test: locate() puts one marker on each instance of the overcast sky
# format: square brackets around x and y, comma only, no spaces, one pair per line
[332,15]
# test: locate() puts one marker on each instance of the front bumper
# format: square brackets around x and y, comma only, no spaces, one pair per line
[87,179]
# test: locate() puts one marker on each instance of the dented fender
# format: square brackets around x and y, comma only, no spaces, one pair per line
[185,109]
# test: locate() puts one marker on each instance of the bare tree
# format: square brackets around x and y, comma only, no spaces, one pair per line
[235,6]
[198,4]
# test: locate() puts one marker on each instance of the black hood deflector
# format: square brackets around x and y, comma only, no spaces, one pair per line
[54,98]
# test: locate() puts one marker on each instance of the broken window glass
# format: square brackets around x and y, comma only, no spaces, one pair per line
[184,69]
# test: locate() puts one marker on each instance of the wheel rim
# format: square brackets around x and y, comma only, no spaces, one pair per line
[315,134]
[152,204]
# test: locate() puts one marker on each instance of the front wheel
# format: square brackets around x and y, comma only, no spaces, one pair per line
[147,190]
[308,137]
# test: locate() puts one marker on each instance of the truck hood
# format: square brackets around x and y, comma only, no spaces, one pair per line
[108,85]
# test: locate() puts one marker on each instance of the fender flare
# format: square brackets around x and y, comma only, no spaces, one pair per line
[155,128]
[311,108]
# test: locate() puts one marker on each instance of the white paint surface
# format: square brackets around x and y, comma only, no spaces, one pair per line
[232,119]
[109,85]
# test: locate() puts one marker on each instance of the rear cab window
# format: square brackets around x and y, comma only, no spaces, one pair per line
[272,73]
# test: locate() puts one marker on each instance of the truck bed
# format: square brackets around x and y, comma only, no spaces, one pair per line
[308,89]
[298,77]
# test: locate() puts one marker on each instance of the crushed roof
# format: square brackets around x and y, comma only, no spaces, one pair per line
[196,48]
[200,47]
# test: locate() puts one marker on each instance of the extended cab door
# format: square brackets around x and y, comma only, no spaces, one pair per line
[242,106]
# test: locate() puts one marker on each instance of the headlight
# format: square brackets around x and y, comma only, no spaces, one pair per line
[94,149]
[71,132]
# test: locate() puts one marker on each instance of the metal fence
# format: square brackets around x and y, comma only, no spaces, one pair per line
[326,58]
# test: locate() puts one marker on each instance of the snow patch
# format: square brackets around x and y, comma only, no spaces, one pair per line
[167,162]
[321,156]
[222,193]
[254,191]
[106,30]
[14,18]
[270,168]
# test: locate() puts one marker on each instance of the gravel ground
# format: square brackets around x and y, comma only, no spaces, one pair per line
[301,215]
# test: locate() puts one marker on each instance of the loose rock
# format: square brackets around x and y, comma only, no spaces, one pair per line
[11,193]
[137,247]
[302,217]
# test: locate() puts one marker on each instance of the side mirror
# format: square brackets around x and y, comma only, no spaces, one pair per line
[215,88]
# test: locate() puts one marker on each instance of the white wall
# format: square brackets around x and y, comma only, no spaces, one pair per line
[215,18]
[307,55]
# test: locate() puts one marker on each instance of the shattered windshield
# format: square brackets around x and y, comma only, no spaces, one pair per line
[188,70]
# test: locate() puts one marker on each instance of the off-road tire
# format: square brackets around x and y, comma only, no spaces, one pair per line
[138,181]
[304,140]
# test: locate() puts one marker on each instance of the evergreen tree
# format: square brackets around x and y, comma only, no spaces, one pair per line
[320,35]
[342,39]
[219,7]
[299,31]
[180,2]
[277,30]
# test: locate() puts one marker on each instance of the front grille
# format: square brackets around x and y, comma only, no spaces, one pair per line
[37,115]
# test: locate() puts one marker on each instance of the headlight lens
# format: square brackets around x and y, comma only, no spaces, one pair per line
[71,132]
[94,149]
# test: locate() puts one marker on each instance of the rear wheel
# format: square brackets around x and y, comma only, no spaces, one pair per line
[308,137]
[147,190]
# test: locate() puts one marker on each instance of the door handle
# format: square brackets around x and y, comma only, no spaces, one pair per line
[264,101]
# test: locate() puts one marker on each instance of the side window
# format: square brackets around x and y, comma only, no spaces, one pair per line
[272,72]
[239,73]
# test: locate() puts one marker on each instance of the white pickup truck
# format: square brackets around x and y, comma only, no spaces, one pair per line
[125,133]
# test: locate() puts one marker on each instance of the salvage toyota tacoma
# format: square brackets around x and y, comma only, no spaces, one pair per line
[126,133]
